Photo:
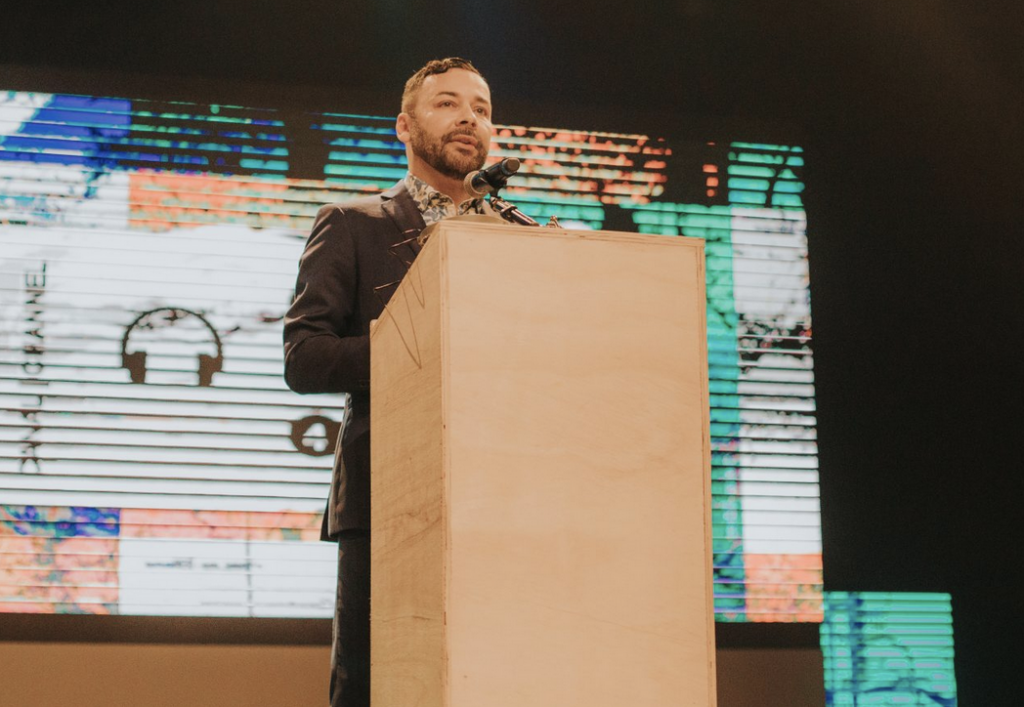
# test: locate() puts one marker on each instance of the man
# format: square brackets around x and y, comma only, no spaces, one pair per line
[347,272]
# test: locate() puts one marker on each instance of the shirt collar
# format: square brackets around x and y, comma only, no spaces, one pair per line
[434,205]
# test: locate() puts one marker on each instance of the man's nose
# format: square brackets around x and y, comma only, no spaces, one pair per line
[467,115]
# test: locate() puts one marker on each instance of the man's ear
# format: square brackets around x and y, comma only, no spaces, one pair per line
[402,127]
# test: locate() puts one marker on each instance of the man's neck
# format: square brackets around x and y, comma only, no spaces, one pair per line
[452,188]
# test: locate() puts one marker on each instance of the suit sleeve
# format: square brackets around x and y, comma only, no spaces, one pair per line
[322,352]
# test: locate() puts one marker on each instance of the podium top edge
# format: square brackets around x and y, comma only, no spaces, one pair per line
[450,226]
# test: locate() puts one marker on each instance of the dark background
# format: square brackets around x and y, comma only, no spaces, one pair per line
[911,113]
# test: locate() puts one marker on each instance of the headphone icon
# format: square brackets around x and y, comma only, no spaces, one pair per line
[135,361]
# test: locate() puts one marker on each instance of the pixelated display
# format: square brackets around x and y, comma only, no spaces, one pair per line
[888,649]
[152,460]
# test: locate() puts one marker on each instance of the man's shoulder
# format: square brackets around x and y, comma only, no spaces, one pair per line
[371,205]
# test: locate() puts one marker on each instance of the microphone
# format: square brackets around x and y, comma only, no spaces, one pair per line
[484,181]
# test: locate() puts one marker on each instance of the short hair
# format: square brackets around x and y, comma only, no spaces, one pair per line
[432,67]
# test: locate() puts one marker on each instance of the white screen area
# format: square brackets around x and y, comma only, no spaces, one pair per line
[196,477]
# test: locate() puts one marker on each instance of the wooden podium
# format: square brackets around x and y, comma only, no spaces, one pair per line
[541,491]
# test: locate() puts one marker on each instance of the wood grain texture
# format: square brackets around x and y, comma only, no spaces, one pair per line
[573,514]
[407,649]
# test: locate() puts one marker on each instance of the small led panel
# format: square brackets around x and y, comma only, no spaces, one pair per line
[888,649]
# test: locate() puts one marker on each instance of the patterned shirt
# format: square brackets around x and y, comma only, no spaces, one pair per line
[436,206]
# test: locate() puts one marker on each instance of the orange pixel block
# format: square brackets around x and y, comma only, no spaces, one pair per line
[784,588]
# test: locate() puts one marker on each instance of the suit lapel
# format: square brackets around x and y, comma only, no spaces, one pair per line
[402,211]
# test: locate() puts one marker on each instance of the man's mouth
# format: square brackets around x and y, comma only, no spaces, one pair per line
[468,140]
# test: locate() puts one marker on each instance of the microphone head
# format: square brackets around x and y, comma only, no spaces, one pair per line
[476,186]
[485,181]
[510,165]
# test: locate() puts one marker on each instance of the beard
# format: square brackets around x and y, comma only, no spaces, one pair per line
[451,163]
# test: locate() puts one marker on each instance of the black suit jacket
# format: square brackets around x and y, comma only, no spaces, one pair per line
[353,249]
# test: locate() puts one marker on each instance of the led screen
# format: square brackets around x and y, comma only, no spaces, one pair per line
[152,460]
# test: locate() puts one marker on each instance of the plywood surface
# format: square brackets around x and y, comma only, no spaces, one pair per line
[577,449]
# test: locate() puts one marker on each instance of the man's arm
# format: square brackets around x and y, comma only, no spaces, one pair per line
[322,352]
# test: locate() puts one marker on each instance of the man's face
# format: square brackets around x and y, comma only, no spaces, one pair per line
[450,127]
